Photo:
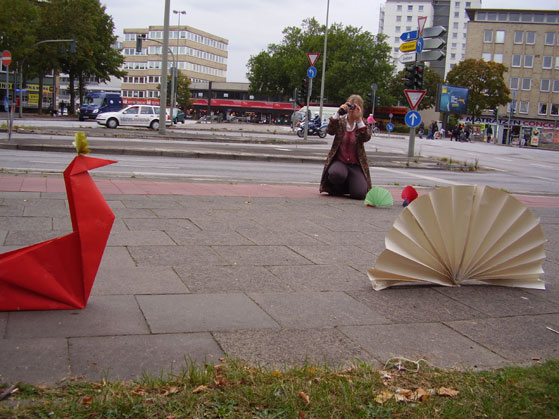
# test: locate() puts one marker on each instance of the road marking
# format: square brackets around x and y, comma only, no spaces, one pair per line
[284,149]
[543,178]
[434,179]
[541,165]
[502,159]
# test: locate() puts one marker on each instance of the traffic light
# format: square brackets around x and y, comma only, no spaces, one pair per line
[496,113]
[139,38]
[377,104]
[302,93]
[73,46]
[369,99]
[419,69]
[409,77]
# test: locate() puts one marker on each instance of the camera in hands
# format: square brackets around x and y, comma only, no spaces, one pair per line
[342,111]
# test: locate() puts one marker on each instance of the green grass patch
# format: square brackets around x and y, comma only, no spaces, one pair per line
[234,389]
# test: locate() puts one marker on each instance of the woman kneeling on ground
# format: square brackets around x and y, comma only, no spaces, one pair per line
[346,171]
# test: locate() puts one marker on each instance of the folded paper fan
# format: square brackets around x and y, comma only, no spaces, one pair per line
[463,233]
[409,194]
[378,197]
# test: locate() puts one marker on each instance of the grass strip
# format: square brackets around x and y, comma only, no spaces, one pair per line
[234,389]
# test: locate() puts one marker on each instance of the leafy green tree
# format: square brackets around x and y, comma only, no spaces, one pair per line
[485,81]
[431,81]
[183,91]
[355,59]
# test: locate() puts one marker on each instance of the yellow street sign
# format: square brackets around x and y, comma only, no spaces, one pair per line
[408,46]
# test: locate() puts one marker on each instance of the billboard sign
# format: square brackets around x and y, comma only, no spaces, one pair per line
[452,99]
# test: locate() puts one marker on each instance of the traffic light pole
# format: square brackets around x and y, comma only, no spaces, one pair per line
[307,116]
[411,143]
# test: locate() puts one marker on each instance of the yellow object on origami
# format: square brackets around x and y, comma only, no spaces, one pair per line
[80,142]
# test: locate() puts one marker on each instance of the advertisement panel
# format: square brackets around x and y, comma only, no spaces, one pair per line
[452,99]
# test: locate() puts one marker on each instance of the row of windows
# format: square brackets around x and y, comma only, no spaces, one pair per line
[183,65]
[410,7]
[181,35]
[518,60]
[193,52]
[546,85]
[520,37]
[141,93]
[551,109]
[503,16]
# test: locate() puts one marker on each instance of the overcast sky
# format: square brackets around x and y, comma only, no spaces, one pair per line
[250,25]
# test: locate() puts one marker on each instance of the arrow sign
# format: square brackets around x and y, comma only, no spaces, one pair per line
[419,44]
[413,118]
[432,55]
[408,57]
[311,72]
[313,57]
[433,31]
[433,43]
[408,46]
[414,97]
[408,36]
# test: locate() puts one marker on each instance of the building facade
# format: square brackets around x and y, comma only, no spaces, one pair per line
[527,43]
[399,16]
[199,55]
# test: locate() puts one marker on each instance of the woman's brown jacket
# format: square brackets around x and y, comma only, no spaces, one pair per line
[337,127]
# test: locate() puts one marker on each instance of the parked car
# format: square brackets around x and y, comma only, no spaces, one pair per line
[98,102]
[135,115]
[178,116]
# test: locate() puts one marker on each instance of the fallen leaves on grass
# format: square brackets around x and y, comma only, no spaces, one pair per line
[200,389]
[305,397]
[448,392]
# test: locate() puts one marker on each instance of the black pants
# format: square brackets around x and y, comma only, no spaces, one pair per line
[347,179]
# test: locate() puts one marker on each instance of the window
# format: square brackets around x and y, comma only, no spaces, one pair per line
[146,110]
[539,17]
[526,17]
[480,15]
[514,83]
[555,86]
[528,61]
[457,14]
[409,18]
[410,8]
[526,84]
[455,25]
[530,37]
[487,36]
[396,39]
[453,57]
[554,111]
[398,18]
[544,85]
[454,45]
[486,56]
[547,62]
[549,38]
[396,49]
[399,8]
[542,108]
[455,35]
[518,37]
[468,4]
[491,16]
[457,4]
[524,107]
[503,16]
[514,17]
[516,60]
[398,29]
[498,58]
[420,8]
[499,37]
[556,62]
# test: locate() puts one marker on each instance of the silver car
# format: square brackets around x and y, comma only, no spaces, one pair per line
[134,115]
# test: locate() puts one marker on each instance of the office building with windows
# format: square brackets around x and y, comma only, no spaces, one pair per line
[527,43]
[399,16]
[199,55]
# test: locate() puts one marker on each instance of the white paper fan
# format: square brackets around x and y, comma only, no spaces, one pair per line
[463,233]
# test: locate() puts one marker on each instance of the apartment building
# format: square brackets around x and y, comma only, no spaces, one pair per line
[399,16]
[527,42]
[197,54]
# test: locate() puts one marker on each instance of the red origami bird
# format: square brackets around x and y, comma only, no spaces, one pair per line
[408,195]
[59,273]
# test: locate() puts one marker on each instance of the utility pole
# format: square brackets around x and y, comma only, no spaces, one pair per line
[164,69]
[324,60]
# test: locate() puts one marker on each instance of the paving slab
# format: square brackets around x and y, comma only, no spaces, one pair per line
[202,312]
[321,278]
[117,257]
[12,207]
[521,339]
[264,237]
[3,323]
[160,224]
[230,279]
[27,238]
[38,360]
[138,280]
[306,310]
[104,315]
[46,207]
[139,238]
[151,203]
[26,223]
[435,343]
[332,254]
[260,255]
[415,304]
[128,357]
[175,255]
[288,347]
[497,301]
[134,213]
[209,238]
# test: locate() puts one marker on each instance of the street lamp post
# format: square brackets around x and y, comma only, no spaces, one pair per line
[175,69]
[324,60]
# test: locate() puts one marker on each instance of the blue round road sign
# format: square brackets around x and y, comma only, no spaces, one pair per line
[419,45]
[390,126]
[413,118]
[311,72]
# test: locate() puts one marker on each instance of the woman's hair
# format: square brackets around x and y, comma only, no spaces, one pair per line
[356,99]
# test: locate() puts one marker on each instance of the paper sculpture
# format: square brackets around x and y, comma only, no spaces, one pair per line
[59,273]
[463,233]
[378,197]
[409,194]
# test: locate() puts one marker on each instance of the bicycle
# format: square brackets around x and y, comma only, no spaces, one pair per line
[375,130]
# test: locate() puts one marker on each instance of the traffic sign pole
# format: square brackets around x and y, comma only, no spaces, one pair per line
[307,116]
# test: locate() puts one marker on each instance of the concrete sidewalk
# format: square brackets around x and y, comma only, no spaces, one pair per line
[272,274]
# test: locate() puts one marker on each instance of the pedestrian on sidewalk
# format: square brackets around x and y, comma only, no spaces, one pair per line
[346,171]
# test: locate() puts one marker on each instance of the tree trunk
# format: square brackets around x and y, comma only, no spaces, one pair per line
[40,104]
[72,108]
